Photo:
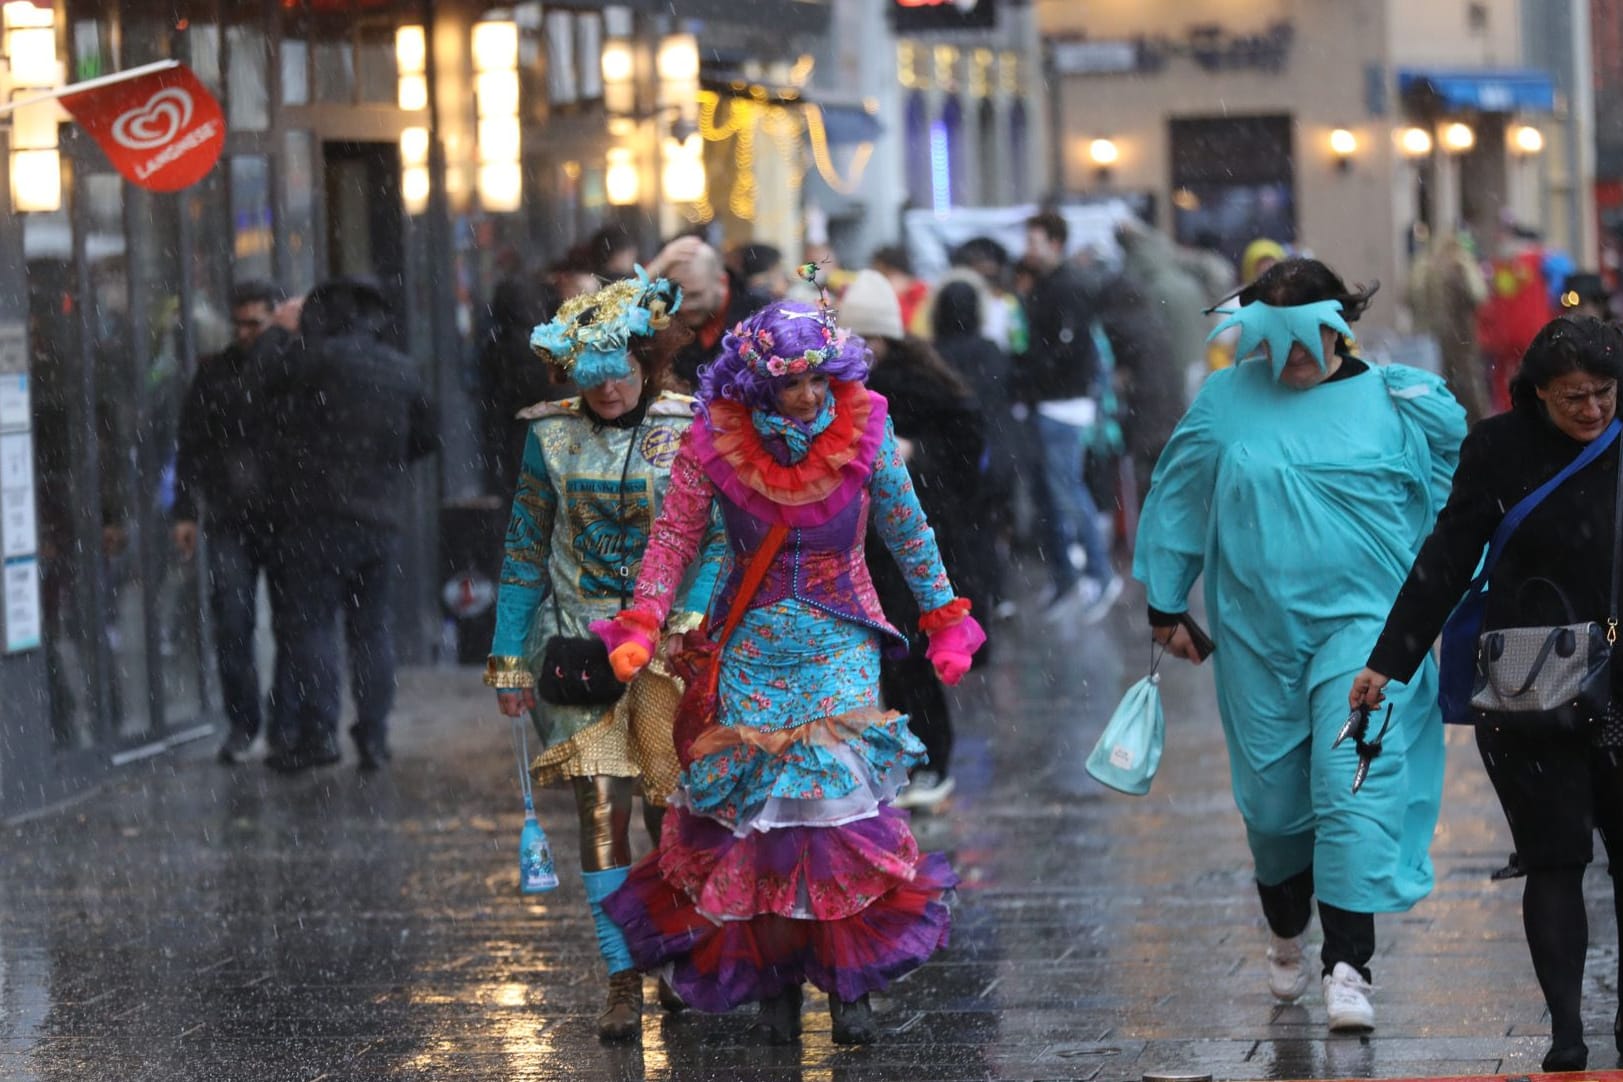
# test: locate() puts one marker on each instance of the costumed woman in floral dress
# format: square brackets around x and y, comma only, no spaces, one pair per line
[782,860]
[594,475]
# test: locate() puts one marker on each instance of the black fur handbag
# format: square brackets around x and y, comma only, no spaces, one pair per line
[575,671]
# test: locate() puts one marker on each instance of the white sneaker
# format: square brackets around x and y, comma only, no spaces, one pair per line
[1099,598]
[1289,969]
[1346,999]
[925,791]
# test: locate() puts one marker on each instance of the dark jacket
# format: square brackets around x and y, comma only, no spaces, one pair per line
[1566,541]
[1060,362]
[981,364]
[224,435]
[741,303]
[944,425]
[355,415]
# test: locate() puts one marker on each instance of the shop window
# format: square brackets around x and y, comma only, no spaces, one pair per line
[1235,181]
[334,70]
[252,222]
[1019,151]
[947,149]
[991,167]
[247,99]
[298,182]
[916,124]
[203,53]
[563,83]
[374,50]
[588,48]
[295,57]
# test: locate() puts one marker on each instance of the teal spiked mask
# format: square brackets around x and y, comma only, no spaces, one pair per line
[1262,323]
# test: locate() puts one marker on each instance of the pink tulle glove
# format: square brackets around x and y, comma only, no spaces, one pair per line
[630,645]
[953,648]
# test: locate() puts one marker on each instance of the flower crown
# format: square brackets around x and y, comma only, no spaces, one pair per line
[755,344]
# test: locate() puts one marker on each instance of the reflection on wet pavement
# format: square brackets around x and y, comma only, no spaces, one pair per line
[195,922]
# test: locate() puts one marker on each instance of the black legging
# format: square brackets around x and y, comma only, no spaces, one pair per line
[1556,791]
[909,685]
[1348,937]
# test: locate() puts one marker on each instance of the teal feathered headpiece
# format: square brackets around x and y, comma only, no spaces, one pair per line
[1260,323]
[591,335]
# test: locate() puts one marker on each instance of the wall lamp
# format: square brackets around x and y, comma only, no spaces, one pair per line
[31,65]
[1414,142]
[1343,145]
[1104,154]
[1457,137]
[1526,140]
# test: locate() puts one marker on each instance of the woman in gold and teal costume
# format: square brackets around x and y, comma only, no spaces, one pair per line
[594,474]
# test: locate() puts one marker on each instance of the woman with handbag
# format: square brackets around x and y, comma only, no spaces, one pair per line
[1556,771]
[782,860]
[594,476]
[1300,486]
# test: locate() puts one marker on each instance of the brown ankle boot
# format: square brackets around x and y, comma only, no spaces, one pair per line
[621,1019]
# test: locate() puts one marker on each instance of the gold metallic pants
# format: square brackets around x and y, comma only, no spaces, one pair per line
[604,806]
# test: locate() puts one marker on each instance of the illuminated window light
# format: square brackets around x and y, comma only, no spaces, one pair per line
[414,188]
[36,181]
[413,93]
[495,46]
[940,167]
[410,50]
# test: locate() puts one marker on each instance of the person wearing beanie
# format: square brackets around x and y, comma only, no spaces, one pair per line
[595,473]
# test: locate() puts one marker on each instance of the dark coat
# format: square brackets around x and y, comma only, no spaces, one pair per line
[1566,542]
[945,427]
[1060,362]
[225,432]
[354,416]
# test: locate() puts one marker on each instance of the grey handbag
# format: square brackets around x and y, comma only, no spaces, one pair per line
[1550,678]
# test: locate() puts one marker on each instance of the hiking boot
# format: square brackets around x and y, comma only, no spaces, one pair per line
[1346,999]
[854,1021]
[621,1019]
[779,1018]
[1289,971]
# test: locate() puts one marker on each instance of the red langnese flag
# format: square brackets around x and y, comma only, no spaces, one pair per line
[162,130]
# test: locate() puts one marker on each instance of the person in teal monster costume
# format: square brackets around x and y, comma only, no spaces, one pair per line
[1301,484]
[595,472]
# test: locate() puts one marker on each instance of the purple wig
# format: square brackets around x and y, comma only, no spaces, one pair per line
[764,352]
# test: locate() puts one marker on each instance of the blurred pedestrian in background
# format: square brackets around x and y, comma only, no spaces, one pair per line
[894,262]
[222,481]
[1058,378]
[1446,288]
[1299,486]
[713,300]
[984,367]
[938,425]
[355,415]
[1556,785]
[509,378]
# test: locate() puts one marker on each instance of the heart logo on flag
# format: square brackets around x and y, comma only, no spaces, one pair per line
[160,127]
[155,123]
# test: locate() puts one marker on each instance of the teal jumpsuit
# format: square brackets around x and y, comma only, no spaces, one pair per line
[1304,510]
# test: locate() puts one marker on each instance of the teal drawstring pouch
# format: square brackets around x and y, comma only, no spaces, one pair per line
[1129,750]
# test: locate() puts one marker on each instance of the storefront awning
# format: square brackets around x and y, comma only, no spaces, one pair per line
[848,124]
[1487,91]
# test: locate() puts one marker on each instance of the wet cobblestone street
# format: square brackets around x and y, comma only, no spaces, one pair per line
[196,922]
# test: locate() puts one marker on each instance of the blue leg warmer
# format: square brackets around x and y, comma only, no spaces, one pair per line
[610,943]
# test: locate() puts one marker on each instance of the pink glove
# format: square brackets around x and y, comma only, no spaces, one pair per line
[952,648]
[630,648]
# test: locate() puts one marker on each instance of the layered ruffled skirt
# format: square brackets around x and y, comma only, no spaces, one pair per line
[781,860]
